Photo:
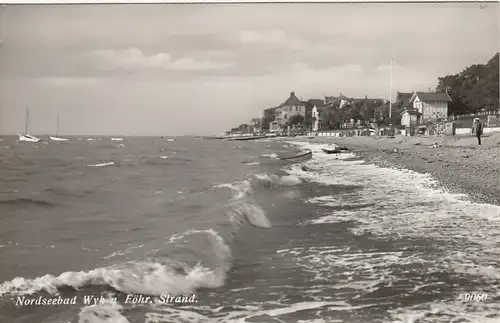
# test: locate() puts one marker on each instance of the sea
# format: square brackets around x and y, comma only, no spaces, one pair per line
[184,229]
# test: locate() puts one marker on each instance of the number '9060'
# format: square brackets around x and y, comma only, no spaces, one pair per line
[473,297]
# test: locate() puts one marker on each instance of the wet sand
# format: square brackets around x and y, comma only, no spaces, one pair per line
[457,162]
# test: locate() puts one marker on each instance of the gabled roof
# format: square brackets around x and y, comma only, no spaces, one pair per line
[316,102]
[431,96]
[404,96]
[292,100]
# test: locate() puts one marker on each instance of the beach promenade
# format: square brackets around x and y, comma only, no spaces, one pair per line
[457,162]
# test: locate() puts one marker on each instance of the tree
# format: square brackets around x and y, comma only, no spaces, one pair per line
[383,114]
[473,89]
[265,121]
[351,112]
[296,119]
[367,110]
[333,118]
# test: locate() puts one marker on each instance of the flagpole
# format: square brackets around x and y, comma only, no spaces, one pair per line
[390,90]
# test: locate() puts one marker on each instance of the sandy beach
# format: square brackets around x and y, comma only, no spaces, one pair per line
[457,162]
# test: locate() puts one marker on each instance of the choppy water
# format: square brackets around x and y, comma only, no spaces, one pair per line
[253,238]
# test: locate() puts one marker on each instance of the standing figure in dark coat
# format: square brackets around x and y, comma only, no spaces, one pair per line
[478,129]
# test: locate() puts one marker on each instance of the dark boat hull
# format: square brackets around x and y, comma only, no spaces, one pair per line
[250,138]
[335,151]
[328,151]
[303,155]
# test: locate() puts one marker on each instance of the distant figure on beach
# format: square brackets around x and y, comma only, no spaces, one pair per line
[478,129]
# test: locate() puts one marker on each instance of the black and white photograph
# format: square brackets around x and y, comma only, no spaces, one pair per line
[293,162]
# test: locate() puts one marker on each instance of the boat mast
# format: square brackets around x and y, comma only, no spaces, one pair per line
[26,121]
[57,129]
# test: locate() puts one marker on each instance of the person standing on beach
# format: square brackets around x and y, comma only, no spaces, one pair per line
[478,128]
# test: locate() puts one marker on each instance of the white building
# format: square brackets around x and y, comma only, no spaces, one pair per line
[410,117]
[431,105]
[318,117]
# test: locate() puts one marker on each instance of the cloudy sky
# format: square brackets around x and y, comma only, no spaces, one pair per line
[200,69]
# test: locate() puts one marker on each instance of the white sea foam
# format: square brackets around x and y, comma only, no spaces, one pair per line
[404,204]
[141,277]
[101,164]
[242,188]
[124,252]
[287,180]
[272,156]
[249,312]
[445,312]
[108,311]
[252,163]
[359,271]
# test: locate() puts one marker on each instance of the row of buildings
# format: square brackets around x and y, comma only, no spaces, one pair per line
[414,109]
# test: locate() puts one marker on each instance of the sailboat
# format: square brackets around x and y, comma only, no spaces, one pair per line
[26,136]
[56,137]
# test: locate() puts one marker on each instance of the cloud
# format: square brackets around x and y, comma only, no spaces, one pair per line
[274,37]
[254,37]
[306,80]
[216,53]
[134,58]
[66,82]
[308,74]
[386,67]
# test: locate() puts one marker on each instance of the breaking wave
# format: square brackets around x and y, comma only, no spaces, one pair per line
[151,277]
[186,262]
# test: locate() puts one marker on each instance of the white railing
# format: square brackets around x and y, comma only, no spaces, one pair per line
[458,131]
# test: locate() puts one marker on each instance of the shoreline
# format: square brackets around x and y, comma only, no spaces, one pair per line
[458,163]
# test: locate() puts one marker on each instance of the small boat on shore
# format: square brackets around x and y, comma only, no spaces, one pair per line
[334,149]
[302,154]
